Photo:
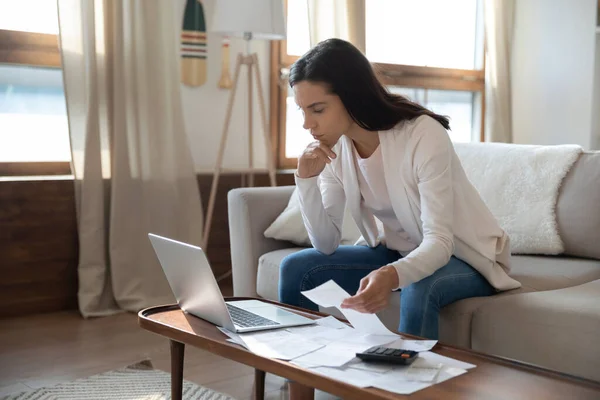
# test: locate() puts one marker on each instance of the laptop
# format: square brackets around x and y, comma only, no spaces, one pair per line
[197,292]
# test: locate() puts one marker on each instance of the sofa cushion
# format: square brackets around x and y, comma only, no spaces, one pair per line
[537,273]
[578,208]
[267,279]
[556,329]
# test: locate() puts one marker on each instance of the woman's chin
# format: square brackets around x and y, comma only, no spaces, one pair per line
[329,142]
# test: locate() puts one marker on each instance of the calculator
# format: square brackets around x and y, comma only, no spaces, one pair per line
[386,354]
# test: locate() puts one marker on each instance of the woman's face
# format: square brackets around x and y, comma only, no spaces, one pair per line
[324,113]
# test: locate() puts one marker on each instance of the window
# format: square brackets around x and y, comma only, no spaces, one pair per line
[33,117]
[435,59]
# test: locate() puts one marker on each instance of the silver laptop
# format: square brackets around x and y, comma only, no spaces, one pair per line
[197,292]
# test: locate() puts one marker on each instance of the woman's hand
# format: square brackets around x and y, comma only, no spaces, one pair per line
[374,291]
[313,160]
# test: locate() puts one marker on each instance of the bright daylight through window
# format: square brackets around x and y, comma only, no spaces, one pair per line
[33,115]
[406,33]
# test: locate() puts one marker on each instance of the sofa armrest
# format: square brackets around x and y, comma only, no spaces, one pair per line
[251,211]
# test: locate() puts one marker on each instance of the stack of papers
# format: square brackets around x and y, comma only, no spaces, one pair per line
[328,348]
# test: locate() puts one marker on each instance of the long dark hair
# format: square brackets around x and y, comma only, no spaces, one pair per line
[348,74]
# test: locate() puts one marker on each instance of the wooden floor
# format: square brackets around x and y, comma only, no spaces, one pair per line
[47,349]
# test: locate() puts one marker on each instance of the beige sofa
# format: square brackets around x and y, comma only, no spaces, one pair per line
[552,321]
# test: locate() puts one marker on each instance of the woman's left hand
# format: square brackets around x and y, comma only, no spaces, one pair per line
[374,291]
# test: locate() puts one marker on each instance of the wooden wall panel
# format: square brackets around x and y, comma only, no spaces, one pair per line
[38,247]
[38,241]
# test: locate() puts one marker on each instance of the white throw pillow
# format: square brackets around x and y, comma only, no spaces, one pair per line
[289,225]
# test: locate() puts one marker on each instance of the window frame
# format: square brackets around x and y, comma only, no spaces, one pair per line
[37,50]
[412,76]
[28,48]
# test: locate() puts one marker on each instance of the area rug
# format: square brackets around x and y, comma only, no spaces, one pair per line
[136,382]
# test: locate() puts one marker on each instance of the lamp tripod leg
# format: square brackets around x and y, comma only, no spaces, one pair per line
[219,162]
[263,117]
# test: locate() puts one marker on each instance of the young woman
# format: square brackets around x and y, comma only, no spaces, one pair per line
[388,158]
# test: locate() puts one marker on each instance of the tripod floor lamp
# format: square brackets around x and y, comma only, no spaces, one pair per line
[250,19]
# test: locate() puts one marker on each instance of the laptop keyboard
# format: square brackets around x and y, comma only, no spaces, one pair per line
[246,319]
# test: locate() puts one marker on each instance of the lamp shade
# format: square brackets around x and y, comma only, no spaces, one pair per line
[259,19]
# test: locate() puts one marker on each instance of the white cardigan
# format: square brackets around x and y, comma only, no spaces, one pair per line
[431,197]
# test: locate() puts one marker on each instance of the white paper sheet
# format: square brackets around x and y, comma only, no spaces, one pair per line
[415,372]
[380,368]
[316,331]
[279,344]
[330,294]
[394,378]
[394,382]
[233,337]
[420,370]
[356,377]
[334,354]
[351,336]
[434,358]
[415,345]
[332,322]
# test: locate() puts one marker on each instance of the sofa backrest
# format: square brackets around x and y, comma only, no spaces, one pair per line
[578,207]
[547,198]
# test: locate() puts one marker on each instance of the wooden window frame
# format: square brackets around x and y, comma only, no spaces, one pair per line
[27,48]
[410,76]
[37,50]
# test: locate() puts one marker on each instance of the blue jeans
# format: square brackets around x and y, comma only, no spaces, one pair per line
[420,302]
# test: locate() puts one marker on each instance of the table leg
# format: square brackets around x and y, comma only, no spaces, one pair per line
[300,392]
[259,384]
[177,352]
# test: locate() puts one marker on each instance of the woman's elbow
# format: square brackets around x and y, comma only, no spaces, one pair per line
[326,247]
[444,245]
[447,243]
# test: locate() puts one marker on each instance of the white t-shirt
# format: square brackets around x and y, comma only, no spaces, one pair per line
[376,198]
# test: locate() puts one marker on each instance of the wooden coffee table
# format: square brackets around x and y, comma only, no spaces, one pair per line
[494,377]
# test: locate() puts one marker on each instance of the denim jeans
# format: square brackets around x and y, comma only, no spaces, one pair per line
[420,302]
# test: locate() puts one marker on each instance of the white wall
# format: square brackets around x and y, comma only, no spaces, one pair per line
[552,71]
[205,106]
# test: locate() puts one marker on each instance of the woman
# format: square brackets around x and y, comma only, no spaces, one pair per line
[391,159]
[388,158]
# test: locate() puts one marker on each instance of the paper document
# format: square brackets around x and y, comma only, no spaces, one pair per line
[330,294]
[335,354]
[332,322]
[414,372]
[414,345]
[425,371]
[317,331]
[356,377]
[233,337]
[391,383]
[278,344]
[371,366]
[434,358]
[325,335]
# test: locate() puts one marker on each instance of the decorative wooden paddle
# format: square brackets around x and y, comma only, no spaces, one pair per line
[225,81]
[193,44]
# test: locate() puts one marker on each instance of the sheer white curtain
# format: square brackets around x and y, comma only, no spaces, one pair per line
[133,168]
[343,19]
[499,22]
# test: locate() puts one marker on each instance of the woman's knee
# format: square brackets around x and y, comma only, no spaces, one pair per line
[417,293]
[297,264]
[292,270]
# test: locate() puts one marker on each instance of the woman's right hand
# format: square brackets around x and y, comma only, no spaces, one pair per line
[313,160]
